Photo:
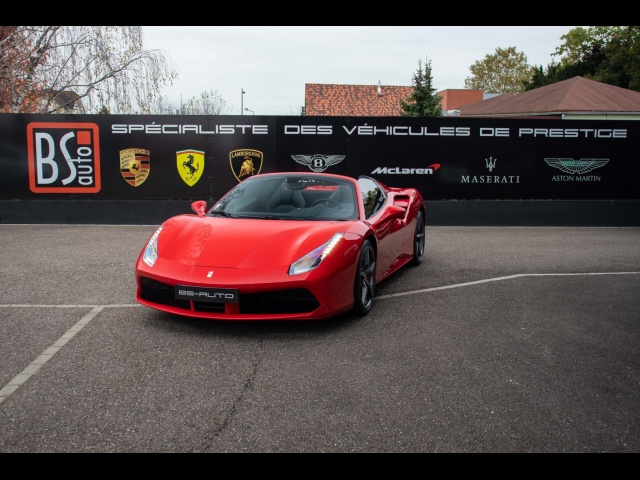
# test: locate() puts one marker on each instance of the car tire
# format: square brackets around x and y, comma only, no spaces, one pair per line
[419,238]
[364,285]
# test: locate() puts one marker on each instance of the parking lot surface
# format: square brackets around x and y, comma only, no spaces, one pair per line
[506,339]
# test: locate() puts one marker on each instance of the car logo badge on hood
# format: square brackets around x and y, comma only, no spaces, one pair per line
[210,274]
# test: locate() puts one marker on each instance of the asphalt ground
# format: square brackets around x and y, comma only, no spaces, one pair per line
[506,339]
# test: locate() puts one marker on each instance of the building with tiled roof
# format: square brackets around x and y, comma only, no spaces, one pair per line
[323,99]
[577,98]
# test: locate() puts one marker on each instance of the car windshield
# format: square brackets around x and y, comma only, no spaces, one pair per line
[292,197]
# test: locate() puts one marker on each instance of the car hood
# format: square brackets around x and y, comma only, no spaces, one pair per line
[236,243]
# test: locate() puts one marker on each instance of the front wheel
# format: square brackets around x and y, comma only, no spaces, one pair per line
[418,241]
[364,285]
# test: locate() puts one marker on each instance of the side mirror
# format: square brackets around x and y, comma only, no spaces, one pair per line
[199,207]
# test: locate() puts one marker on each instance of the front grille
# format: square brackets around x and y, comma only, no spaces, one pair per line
[161,293]
[208,307]
[298,300]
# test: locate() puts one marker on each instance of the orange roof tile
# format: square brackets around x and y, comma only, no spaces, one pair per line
[323,99]
[354,100]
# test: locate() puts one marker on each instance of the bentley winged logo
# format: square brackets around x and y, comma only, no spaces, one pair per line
[576,167]
[318,163]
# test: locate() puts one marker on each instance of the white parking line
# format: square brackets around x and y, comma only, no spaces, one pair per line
[498,279]
[34,366]
[23,376]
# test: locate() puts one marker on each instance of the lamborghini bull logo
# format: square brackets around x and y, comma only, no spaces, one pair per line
[247,167]
[245,163]
[190,165]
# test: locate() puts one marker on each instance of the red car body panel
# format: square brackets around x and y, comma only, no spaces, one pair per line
[253,256]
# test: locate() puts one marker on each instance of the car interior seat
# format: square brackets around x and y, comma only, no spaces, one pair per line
[343,196]
[285,200]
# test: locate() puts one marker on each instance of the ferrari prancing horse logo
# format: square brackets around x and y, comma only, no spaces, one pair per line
[190,165]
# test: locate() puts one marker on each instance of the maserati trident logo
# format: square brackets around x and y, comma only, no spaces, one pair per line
[490,163]
[318,163]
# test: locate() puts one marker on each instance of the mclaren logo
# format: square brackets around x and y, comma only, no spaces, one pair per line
[135,164]
[245,163]
[190,165]
[406,171]
[576,167]
[318,163]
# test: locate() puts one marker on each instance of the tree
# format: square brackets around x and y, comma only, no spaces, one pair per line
[85,69]
[424,100]
[555,73]
[12,59]
[208,103]
[506,71]
[608,54]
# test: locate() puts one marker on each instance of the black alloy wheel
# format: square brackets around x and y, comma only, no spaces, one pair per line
[418,241]
[364,286]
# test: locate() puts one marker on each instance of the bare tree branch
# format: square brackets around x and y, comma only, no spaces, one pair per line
[83,69]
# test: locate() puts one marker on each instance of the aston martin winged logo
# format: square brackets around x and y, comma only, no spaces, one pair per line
[576,167]
[318,163]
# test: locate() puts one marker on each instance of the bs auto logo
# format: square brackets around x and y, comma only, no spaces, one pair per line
[63,157]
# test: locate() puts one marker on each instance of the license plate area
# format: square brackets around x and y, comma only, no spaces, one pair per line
[207,294]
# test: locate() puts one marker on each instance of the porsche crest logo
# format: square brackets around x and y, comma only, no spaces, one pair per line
[135,164]
[190,165]
[245,163]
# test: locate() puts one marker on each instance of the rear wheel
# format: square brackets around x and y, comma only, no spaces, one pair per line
[418,241]
[364,286]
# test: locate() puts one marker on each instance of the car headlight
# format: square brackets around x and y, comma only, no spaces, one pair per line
[312,259]
[150,254]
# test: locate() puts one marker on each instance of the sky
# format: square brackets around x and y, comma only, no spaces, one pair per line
[273,64]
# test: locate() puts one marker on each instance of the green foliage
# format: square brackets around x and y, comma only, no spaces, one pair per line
[424,101]
[608,54]
[506,71]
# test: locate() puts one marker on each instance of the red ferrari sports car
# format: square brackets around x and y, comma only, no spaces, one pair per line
[283,246]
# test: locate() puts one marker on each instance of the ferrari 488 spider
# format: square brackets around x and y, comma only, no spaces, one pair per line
[283,246]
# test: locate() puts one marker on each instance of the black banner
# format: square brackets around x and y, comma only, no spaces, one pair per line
[201,157]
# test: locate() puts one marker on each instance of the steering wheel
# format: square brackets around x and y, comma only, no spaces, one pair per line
[326,201]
